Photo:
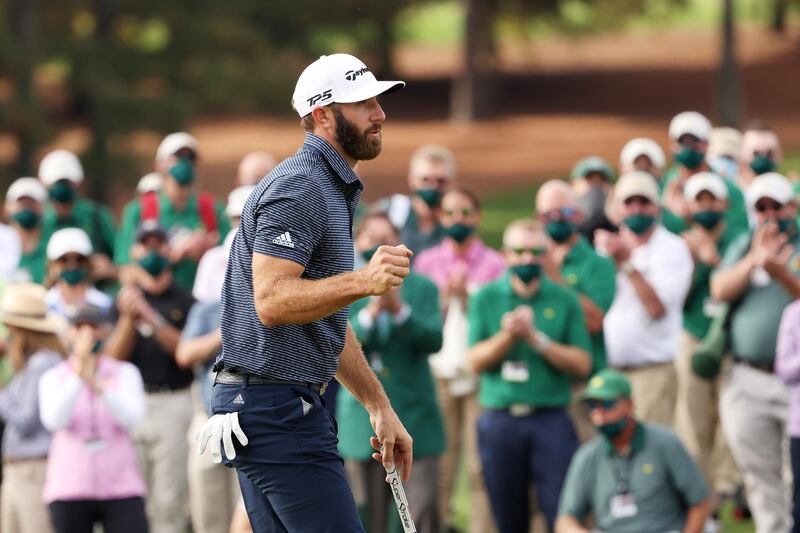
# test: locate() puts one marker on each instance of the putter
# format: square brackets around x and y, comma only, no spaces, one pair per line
[400,500]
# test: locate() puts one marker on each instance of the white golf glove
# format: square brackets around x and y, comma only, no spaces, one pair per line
[218,431]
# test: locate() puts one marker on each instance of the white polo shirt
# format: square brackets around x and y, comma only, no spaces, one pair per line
[11,252]
[633,338]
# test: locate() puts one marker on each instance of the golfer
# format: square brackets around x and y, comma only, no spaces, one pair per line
[288,283]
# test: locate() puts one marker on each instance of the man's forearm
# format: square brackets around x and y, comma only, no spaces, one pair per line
[728,285]
[696,517]
[120,343]
[647,295]
[357,377]
[784,276]
[487,354]
[569,524]
[568,358]
[191,351]
[594,315]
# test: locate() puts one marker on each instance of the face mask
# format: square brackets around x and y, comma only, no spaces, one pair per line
[154,263]
[74,276]
[560,230]
[725,167]
[27,218]
[183,172]
[639,223]
[62,192]
[761,164]
[429,196]
[459,232]
[708,219]
[96,346]
[612,429]
[689,158]
[527,272]
[785,224]
[368,253]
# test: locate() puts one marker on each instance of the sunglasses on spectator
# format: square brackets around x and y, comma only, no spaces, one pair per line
[536,252]
[463,212]
[763,206]
[637,200]
[564,213]
[605,405]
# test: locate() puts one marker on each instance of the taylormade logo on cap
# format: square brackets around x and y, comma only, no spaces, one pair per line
[340,78]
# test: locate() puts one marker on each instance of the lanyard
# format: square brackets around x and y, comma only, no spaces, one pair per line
[622,467]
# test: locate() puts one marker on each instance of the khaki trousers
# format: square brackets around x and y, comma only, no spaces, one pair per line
[213,488]
[754,407]
[163,452]
[21,507]
[653,389]
[460,415]
[697,420]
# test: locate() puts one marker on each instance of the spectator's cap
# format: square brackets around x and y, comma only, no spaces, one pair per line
[770,185]
[149,228]
[689,122]
[237,199]
[27,188]
[339,78]
[705,181]
[725,142]
[227,244]
[760,141]
[174,142]
[636,183]
[90,314]
[149,183]
[60,165]
[24,307]
[69,241]
[642,146]
[587,165]
[607,384]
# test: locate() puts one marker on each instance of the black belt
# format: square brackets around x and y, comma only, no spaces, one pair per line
[769,368]
[226,377]
[519,410]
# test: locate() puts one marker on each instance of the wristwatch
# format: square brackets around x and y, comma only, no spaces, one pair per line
[542,341]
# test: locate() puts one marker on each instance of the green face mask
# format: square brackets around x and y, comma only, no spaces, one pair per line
[368,253]
[689,158]
[183,172]
[785,224]
[639,223]
[27,218]
[429,196]
[761,164]
[560,230]
[527,272]
[62,192]
[708,219]
[154,263]
[74,276]
[612,429]
[459,232]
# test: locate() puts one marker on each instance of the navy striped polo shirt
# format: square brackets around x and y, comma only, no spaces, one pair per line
[301,211]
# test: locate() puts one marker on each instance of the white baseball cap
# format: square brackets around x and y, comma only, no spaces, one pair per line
[724,142]
[636,183]
[237,199]
[174,142]
[760,141]
[339,78]
[642,146]
[705,181]
[149,183]
[770,185]
[27,187]
[68,240]
[690,122]
[59,165]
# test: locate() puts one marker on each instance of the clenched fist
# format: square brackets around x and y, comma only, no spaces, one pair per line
[387,269]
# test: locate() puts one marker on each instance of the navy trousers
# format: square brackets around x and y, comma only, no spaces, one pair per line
[291,474]
[522,452]
[794,452]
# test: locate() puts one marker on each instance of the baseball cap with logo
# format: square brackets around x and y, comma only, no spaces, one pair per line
[705,181]
[642,146]
[770,185]
[68,240]
[636,183]
[174,142]
[60,165]
[337,78]
[607,384]
[27,187]
[689,122]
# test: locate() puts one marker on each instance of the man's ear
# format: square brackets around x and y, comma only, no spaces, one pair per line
[323,117]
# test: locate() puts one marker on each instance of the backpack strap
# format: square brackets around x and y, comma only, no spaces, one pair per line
[205,204]
[148,204]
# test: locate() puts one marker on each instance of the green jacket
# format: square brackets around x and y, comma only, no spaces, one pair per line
[399,354]
[93,218]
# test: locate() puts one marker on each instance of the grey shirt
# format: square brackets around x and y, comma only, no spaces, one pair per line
[25,437]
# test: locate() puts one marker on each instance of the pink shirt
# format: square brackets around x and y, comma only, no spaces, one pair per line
[92,456]
[481,263]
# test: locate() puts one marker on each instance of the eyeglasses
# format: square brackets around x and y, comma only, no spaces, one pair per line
[536,252]
[564,213]
[463,212]
[605,405]
[637,200]
[765,205]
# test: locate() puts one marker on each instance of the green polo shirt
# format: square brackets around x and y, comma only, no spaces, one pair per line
[661,476]
[93,218]
[595,277]
[34,263]
[698,309]
[398,354]
[557,313]
[172,220]
[757,314]
[735,216]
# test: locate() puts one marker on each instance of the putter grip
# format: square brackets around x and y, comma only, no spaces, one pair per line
[396,486]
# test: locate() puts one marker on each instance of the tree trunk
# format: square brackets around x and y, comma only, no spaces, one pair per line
[779,16]
[729,89]
[474,89]
[26,118]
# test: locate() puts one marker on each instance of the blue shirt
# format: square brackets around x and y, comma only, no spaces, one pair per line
[203,319]
[301,211]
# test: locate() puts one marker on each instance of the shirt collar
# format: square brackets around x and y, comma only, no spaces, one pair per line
[544,283]
[334,158]
[637,443]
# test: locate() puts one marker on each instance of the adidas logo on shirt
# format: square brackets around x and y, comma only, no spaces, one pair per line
[238,399]
[284,239]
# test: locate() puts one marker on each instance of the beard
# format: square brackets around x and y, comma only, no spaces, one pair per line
[356,144]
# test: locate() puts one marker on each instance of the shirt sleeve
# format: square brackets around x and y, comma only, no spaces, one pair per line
[21,410]
[124,399]
[291,218]
[577,333]
[58,390]
[126,233]
[685,475]
[603,284]
[672,273]
[576,496]
[787,354]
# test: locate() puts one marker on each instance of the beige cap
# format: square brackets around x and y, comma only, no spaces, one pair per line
[705,181]
[636,183]
[690,122]
[642,146]
[770,185]
[24,307]
[725,142]
[59,165]
[27,187]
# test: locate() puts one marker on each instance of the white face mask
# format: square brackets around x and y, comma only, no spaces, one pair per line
[725,167]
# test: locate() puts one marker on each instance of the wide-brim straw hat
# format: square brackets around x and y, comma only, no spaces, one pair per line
[23,306]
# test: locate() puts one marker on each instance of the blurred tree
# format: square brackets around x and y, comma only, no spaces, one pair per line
[728,92]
